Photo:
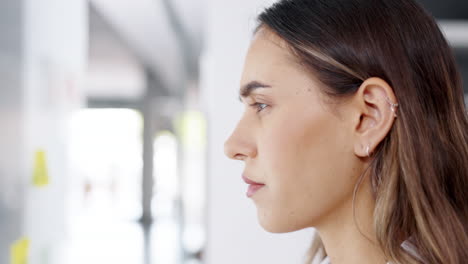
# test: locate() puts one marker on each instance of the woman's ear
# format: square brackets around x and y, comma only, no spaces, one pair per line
[377,109]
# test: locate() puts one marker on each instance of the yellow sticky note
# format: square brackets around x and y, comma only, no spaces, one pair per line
[40,175]
[19,251]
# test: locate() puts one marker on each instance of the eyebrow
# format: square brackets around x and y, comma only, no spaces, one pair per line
[248,88]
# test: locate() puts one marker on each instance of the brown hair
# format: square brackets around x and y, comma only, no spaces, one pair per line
[419,172]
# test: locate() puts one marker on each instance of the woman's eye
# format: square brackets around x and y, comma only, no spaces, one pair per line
[259,106]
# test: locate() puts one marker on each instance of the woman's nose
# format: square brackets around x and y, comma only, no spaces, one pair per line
[239,146]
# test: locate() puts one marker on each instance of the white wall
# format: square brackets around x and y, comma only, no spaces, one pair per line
[54,59]
[43,51]
[234,235]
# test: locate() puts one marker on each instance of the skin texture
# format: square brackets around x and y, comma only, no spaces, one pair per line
[309,152]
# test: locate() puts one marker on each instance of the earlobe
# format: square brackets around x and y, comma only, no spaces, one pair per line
[368,151]
[377,107]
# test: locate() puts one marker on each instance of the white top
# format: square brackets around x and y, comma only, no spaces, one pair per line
[326,260]
[406,245]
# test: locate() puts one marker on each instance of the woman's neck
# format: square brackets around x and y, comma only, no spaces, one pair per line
[341,235]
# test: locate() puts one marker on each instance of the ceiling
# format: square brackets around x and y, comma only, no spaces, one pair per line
[128,37]
[113,70]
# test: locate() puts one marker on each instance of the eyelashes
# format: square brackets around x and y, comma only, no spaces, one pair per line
[259,106]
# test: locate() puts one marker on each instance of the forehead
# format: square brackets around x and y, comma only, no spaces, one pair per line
[268,46]
[267,55]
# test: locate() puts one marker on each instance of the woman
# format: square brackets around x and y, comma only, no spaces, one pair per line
[355,124]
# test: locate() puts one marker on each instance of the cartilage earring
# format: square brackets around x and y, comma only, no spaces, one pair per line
[393,106]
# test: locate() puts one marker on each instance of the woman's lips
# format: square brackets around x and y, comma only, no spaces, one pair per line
[253,186]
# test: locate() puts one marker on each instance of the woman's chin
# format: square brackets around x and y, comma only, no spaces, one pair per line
[278,226]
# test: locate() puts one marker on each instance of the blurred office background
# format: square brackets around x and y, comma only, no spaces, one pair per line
[113,115]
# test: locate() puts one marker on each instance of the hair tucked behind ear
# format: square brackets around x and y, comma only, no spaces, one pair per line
[419,172]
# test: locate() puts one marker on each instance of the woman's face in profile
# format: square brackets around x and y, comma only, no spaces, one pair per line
[291,141]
